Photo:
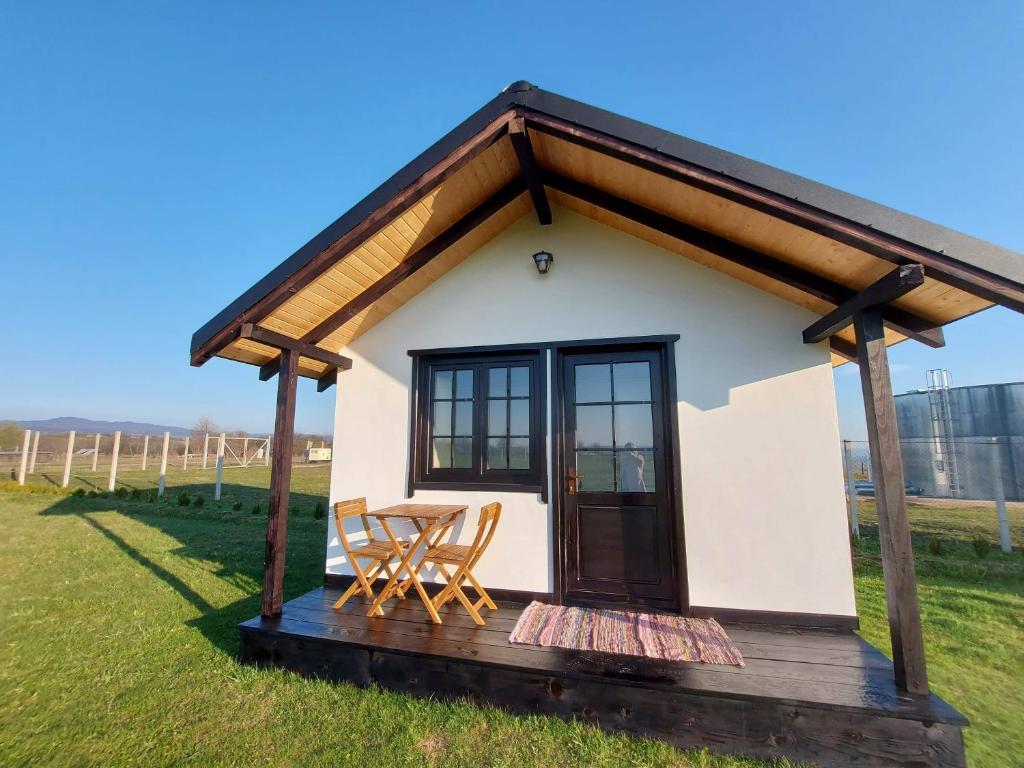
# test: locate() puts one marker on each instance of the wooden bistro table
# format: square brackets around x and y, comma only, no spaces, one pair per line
[431,521]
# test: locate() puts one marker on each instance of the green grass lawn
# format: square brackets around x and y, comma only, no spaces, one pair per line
[119,639]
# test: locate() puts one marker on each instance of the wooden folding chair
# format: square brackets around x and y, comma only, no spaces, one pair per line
[377,551]
[463,558]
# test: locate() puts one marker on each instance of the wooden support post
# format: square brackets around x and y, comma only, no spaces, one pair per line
[67,459]
[280,483]
[111,483]
[851,489]
[162,482]
[999,496]
[245,452]
[206,447]
[184,456]
[35,450]
[266,453]
[25,447]
[96,452]
[220,466]
[145,450]
[890,499]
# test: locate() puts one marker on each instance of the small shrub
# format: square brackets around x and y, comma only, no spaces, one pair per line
[183,499]
[93,494]
[237,506]
[121,492]
[199,500]
[78,492]
[136,494]
[981,547]
[935,546]
[319,511]
[151,497]
[105,495]
[255,509]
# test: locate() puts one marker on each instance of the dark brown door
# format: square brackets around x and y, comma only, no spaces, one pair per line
[616,480]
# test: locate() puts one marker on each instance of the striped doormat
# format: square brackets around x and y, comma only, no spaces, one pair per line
[654,635]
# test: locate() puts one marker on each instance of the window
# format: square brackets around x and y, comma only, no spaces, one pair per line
[478,421]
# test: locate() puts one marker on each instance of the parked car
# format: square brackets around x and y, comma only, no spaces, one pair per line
[867,488]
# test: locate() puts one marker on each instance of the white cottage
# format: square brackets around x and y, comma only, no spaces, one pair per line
[626,338]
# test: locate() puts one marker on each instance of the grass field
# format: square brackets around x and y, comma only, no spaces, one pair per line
[119,640]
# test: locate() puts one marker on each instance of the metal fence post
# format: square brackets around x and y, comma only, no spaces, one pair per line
[220,466]
[851,489]
[999,495]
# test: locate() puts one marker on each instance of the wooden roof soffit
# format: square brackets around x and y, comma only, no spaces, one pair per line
[332,251]
[530,169]
[906,323]
[942,268]
[301,348]
[416,261]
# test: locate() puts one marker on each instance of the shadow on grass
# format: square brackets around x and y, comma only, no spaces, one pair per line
[229,544]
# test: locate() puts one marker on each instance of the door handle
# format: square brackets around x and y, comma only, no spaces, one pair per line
[572,481]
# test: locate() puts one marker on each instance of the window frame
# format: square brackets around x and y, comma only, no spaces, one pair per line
[476,478]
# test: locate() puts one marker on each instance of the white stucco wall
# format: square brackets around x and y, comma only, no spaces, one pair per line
[763,504]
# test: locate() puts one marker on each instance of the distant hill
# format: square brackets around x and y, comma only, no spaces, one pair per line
[67,423]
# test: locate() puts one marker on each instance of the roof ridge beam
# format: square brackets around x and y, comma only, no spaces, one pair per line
[531,171]
[890,287]
[905,323]
[414,262]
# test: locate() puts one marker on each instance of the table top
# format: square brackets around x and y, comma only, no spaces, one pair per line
[420,511]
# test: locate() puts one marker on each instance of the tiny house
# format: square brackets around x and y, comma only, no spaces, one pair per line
[627,339]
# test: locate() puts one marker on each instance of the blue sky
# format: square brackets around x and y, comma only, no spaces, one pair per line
[159,158]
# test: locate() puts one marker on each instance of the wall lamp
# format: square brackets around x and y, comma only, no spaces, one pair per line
[543,260]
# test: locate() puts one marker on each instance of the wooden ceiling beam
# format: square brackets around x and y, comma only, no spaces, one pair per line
[945,269]
[530,170]
[822,288]
[845,349]
[418,260]
[899,282]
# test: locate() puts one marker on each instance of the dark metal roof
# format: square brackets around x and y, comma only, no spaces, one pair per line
[952,244]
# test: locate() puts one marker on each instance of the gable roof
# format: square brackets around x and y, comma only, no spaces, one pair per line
[804,241]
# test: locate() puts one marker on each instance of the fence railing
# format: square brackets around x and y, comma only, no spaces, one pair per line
[117,453]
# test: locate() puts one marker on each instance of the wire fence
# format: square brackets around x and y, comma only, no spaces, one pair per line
[975,471]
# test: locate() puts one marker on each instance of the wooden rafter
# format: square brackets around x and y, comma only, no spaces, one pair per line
[845,349]
[419,259]
[899,282]
[530,169]
[904,322]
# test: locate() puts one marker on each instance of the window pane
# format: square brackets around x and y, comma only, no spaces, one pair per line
[464,384]
[520,382]
[519,453]
[598,470]
[632,381]
[442,385]
[442,453]
[462,455]
[497,457]
[443,418]
[497,382]
[593,426]
[464,417]
[496,417]
[519,423]
[633,426]
[593,383]
[636,471]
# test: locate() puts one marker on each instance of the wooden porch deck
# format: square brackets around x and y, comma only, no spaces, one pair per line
[822,696]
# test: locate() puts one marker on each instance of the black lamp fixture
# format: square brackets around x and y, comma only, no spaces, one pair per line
[543,260]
